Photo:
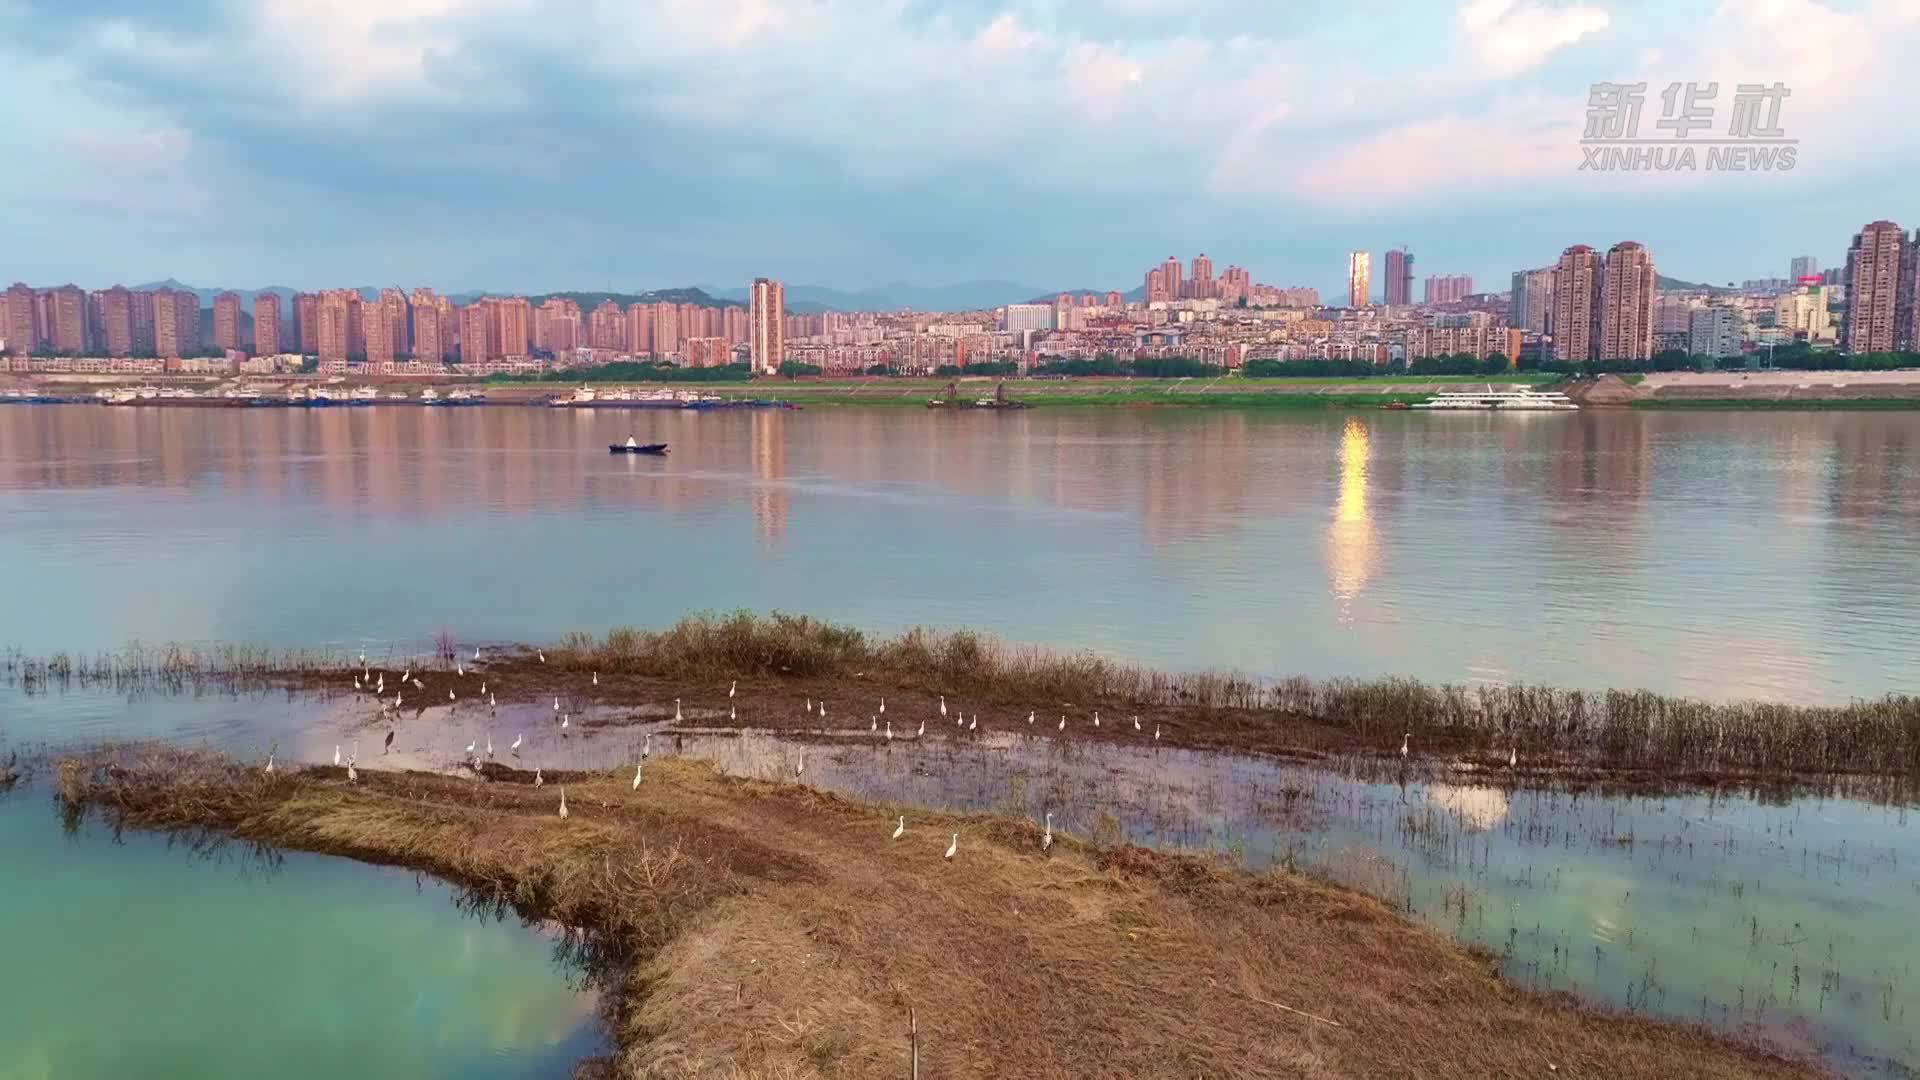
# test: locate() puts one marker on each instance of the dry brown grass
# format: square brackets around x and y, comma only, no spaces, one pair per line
[769,930]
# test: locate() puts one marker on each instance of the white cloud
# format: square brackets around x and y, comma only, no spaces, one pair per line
[1511,36]
[1005,34]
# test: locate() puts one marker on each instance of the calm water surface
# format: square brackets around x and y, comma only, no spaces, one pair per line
[1721,554]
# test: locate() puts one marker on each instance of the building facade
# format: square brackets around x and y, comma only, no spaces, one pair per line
[1626,303]
[1714,331]
[1399,284]
[1879,282]
[1576,304]
[266,324]
[1359,278]
[766,324]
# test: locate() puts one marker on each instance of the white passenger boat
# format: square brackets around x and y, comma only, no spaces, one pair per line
[1515,397]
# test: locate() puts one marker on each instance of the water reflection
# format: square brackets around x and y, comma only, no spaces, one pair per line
[1350,540]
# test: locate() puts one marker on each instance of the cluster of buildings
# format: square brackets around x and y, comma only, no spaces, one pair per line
[1587,306]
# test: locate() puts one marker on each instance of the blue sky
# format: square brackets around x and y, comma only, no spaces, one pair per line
[547,144]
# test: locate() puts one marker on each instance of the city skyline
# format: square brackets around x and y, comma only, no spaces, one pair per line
[966,140]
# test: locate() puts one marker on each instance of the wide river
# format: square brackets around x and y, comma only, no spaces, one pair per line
[1725,554]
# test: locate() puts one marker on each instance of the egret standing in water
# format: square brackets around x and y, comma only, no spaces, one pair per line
[515,745]
[556,704]
[800,765]
[470,748]
[646,745]
[476,654]
[953,845]
[563,801]
[900,830]
[489,746]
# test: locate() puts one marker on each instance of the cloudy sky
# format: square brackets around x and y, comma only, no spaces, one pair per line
[548,144]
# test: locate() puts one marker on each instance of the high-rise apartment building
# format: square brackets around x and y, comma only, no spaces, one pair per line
[1626,303]
[1202,287]
[1803,312]
[1576,304]
[1023,317]
[1531,303]
[395,317]
[1359,278]
[1446,288]
[476,334]
[733,324]
[143,324]
[640,330]
[666,329]
[1879,282]
[1157,286]
[333,326]
[1399,284]
[67,319]
[606,326]
[378,326]
[22,331]
[1171,280]
[766,324]
[512,325]
[1802,266]
[266,324]
[116,321]
[428,334]
[176,323]
[226,320]
[306,323]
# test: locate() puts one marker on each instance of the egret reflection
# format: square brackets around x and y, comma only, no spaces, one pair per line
[1350,540]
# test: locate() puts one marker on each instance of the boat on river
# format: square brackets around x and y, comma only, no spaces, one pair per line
[635,446]
[1517,398]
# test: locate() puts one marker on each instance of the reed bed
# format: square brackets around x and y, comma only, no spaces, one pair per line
[1630,729]
[171,666]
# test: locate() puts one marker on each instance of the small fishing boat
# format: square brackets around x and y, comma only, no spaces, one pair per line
[633,446]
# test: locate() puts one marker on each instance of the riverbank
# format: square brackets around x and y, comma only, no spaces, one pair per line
[772,929]
[1780,390]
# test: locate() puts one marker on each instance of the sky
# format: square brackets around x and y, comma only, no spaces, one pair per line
[540,145]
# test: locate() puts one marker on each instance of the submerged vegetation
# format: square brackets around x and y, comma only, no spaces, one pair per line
[758,928]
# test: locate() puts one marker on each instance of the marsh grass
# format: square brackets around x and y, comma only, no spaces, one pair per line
[168,667]
[754,929]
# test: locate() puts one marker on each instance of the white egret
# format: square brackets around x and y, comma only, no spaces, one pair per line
[646,745]
[537,780]
[269,763]
[596,678]
[1404,739]
[449,693]
[518,736]
[1063,723]
[974,723]
[1156,733]
[460,669]
[809,706]
[470,747]
[731,714]
[356,684]
[353,774]
[823,710]
[953,845]
[1029,717]
[900,830]
[363,659]
[1096,718]
[565,720]
[873,723]
[943,706]
[636,778]
[556,704]
[1136,723]
[380,687]
[800,765]
[396,700]
[483,686]
[407,674]
[883,706]
[563,801]
[889,731]
[489,746]
[676,710]
[492,702]
[336,755]
[542,656]
[1513,758]
[923,729]
[731,688]
[417,684]
[1046,840]
[476,654]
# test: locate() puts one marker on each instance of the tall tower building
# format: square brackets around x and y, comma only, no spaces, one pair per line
[176,323]
[1157,286]
[1170,279]
[1879,283]
[306,323]
[1626,303]
[266,324]
[1399,285]
[766,325]
[476,333]
[513,325]
[1202,277]
[333,326]
[116,321]
[67,319]
[379,330]
[1359,278]
[429,343]
[22,329]
[1802,266]
[1576,304]
[1531,306]
[226,320]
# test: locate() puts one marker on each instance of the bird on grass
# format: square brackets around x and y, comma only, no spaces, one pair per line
[542,656]
[396,700]
[380,686]
[676,710]
[353,774]
[476,654]
[1063,724]
[889,731]
[873,723]
[809,706]
[974,723]
[470,748]
[900,830]
[407,674]
[1136,723]
[923,729]
[823,710]
[563,801]
[732,687]
[1156,733]
[1513,758]
[537,780]
[883,706]
[491,702]
[515,745]
[483,688]
[417,684]
[731,714]
[1029,717]
[953,845]
[556,704]
[636,778]
[565,720]
[356,684]
[943,706]
[596,678]
[1096,718]
[1404,740]
[1046,839]
[269,763]
[450,693]
[460,669]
